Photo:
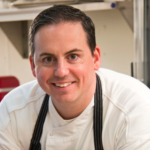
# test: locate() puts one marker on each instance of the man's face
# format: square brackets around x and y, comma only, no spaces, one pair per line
[63,63]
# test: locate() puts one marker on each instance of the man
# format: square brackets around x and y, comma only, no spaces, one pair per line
[64,58]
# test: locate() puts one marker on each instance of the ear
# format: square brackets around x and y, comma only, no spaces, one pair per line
[31,59]
[97,58]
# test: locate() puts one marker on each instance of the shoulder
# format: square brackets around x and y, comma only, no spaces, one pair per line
[126,108]
[19,98]
[124,91]
[22,95]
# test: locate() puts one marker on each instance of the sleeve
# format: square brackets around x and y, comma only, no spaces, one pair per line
[7,141]
[136,136]
[137,145]
[8,136]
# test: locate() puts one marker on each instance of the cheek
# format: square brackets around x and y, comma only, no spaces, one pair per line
[43,74]
[84,73]
[88,73]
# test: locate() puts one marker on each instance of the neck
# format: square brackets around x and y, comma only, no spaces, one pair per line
[71,110]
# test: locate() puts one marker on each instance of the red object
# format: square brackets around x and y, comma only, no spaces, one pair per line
[7,83]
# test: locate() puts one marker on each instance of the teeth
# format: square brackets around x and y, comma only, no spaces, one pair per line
[63,85]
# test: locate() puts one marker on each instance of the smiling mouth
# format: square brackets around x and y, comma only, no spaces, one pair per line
[62,85]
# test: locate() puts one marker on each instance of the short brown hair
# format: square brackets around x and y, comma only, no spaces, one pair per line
[63,13]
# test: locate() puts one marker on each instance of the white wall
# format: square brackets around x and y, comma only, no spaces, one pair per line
[115,39]
[113,34]
[11,62]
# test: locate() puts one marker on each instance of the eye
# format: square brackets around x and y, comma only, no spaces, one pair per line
[48,59]
[73,56]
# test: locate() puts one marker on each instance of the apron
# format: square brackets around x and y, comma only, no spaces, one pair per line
[97,120]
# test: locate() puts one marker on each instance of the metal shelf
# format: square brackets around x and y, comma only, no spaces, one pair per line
[21,14]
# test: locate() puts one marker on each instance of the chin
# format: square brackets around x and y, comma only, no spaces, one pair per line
[63,99]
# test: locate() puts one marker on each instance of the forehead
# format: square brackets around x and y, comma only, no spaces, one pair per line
[66,35]
[61,28]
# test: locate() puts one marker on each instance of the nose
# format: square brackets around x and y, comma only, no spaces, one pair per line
[61,69]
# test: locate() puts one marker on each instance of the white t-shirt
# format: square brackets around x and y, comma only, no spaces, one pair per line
[126,118]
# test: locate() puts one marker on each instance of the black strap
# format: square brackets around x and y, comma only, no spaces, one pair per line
[35,141]
[98,115]
[97,120]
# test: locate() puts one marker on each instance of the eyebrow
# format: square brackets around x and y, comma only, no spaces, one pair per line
[74,50]
[46,54]
[71,51]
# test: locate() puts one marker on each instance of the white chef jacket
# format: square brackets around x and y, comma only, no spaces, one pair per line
[126,118]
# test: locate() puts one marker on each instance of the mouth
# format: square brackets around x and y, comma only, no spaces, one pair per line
[63,84]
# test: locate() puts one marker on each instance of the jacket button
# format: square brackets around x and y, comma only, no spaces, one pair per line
[51,133]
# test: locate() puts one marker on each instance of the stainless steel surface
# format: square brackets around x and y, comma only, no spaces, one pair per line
[34,3]
[5,3]
[139,39]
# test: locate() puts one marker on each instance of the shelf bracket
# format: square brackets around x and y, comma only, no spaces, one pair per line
[126,9]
